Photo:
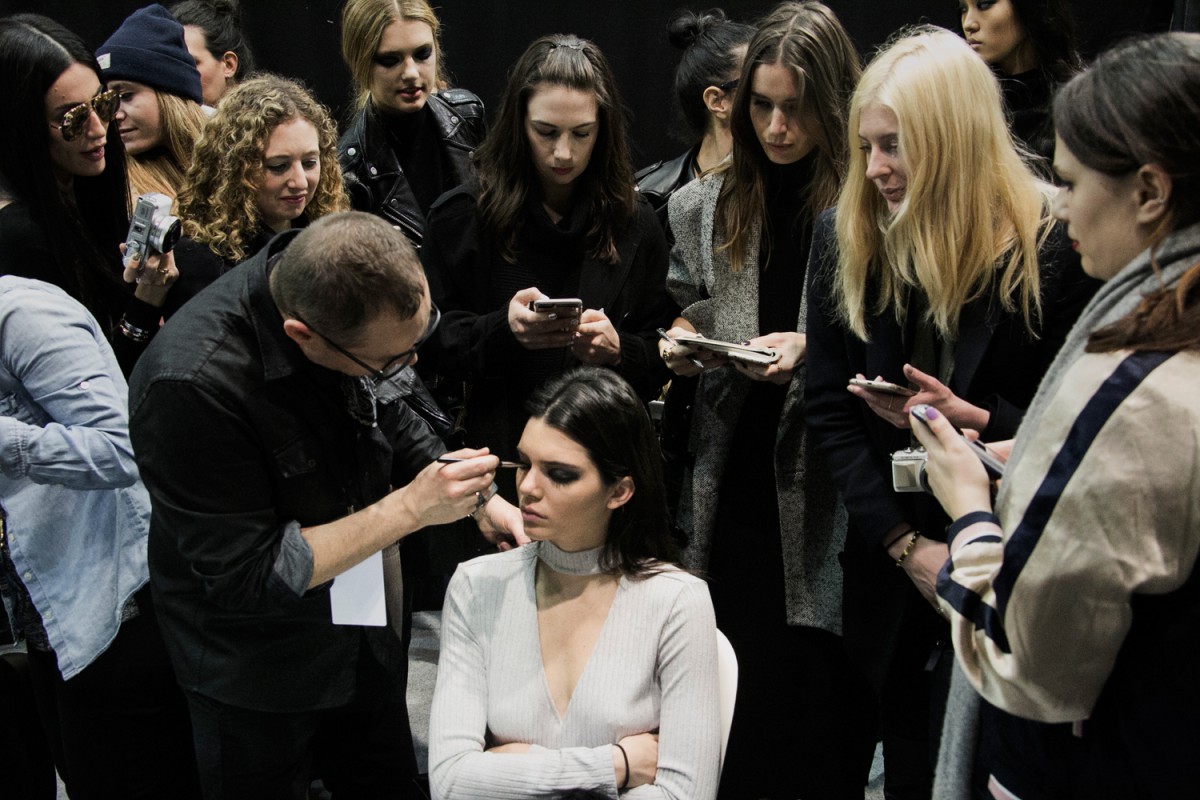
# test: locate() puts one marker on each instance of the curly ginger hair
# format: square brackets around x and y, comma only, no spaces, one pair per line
[218,205]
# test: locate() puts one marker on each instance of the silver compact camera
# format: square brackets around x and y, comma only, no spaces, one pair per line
[152,228]
[908,470]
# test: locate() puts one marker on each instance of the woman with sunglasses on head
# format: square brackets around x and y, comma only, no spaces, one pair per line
[213,32]
[942,271]
[586,660]
[265,162]
[554,214]
[1073,596]
[412,137]
[146,61]
[705,82]
[1030,45]
[762,518]
[64,201]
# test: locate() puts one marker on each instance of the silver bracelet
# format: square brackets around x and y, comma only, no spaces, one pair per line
[133,332]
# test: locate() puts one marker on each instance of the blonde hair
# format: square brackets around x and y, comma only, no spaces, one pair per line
[973,214]
[363,23]
[219,204]
[162,168]
[807,38]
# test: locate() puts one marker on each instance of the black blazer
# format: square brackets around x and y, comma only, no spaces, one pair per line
[997,365]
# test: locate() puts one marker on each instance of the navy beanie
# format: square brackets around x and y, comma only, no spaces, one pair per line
[149,48]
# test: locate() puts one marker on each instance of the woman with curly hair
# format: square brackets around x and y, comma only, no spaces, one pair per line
[147,63]
[266,162]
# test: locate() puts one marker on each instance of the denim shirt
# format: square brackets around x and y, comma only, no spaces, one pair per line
[78,515]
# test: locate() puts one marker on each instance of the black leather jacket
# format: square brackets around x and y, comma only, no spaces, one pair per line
[661,179]
[372,173]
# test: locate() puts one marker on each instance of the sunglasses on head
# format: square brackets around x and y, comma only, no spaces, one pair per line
[75,120]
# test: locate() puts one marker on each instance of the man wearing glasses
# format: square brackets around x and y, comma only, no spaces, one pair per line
[270,428]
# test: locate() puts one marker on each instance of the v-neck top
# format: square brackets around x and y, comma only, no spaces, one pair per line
[653,668]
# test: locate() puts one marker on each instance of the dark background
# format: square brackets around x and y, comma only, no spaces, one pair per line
[481,38]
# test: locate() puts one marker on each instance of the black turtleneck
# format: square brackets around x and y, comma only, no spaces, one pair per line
[415,141]
[787,233]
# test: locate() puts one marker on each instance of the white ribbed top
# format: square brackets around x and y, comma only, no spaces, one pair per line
[653,667]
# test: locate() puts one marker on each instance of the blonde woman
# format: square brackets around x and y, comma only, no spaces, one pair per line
[146,61]
[411,137]
[942,271]
[266,162]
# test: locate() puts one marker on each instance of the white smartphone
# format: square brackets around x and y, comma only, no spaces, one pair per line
[732,350]
[883,386]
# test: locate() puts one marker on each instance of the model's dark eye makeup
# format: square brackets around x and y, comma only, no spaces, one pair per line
[562,475]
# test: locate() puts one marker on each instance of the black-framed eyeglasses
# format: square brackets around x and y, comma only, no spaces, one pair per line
[393,365]
[75,119]
[729,86]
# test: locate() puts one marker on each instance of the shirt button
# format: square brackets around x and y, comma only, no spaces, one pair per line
[374,171]
[85,385]
[48,615]
[454,119]
[312,462]
[27,576]
[352,151]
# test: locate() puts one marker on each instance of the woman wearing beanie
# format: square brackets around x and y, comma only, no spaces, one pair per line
[146,61]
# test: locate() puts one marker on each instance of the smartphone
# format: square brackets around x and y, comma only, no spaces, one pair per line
[991,462]
[883,386]
[561,306]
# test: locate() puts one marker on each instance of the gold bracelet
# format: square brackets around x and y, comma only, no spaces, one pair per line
[908,548]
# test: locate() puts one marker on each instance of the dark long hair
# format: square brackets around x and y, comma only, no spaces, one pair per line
[83,231]
[221,21]
[807,38]
[600,411]
[1051,28]
[708,41]
[505,165]
[1140,104]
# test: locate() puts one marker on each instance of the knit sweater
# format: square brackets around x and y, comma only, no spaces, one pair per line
[653,668]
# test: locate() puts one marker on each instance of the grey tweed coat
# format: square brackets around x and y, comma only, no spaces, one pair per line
[723,304]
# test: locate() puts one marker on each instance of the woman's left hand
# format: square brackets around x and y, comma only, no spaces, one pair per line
[791,347]
[596,340]
[956,476]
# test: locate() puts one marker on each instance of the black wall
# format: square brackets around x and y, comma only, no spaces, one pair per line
[483,37]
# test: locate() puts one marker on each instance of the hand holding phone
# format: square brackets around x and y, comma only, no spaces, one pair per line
[557,307]
[882,386]
[991,462]
[543,329]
